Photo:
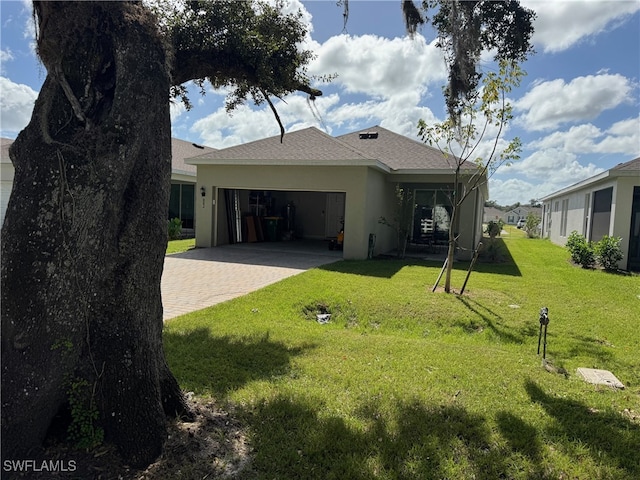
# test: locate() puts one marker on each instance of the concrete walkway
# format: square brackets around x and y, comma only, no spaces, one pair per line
[202,277]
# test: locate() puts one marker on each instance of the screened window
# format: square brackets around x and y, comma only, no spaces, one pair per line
[181,203]
[601,214]
[432,216]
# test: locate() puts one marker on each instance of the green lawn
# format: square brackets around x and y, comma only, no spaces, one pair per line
[179,246]
[408,384]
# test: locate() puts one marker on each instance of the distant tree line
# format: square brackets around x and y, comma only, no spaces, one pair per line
[505,208]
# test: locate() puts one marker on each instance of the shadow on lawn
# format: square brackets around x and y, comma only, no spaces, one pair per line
[591,347]
[383,268]
[492,320]
[387,267]
[607,436]
[219,365]
[292,441]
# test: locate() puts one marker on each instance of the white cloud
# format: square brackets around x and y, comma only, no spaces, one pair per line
[552,103]
[16,105]
[6,55]
[176,108]
[561,24]
[380,67]
[399,114]
[245,124]
[553,165]
[628,127]
[512,190]
[538,175]
[622,137]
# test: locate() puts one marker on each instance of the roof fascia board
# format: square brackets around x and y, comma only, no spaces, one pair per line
[290,163]
[179,175]
[427,171]
[577,186]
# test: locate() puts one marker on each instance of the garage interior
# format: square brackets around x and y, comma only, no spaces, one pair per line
[252,216]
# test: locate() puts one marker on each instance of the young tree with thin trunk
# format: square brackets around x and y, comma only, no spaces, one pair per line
[465,29]
[85,232]
[482,118]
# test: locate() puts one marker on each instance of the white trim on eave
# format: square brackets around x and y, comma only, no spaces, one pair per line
[608,174]
[199,161]
[180,176]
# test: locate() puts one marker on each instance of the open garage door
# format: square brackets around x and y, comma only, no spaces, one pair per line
[276,215]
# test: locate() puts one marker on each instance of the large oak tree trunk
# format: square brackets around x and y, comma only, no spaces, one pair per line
[85,234]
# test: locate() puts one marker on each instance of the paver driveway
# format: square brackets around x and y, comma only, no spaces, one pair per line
[202,277]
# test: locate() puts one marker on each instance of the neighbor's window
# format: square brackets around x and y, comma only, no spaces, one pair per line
[563,217]
[587,205]
[181,203]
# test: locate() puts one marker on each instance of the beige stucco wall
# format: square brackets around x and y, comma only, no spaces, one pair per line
[369,195]
[380,203]
[353,181]
[621,213]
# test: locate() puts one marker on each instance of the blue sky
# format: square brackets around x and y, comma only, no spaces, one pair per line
[577,112]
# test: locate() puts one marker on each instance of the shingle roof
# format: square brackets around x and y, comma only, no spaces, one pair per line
[399,152]
[5,143]
[181,150]
[307,146]
[631,165]
[310,146]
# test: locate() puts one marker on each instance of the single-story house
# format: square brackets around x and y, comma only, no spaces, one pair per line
[605,204]
[183,180]
[520,213]
[493,214]
[314,186]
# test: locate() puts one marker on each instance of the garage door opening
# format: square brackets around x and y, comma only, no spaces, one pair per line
[252,216]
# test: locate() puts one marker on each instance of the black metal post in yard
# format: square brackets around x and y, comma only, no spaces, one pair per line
[539,339]
[544,321]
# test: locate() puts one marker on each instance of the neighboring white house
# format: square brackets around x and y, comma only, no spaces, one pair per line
[183,180]
[511,217]
[520,213]
[605,204]
[6,176]
[332,182]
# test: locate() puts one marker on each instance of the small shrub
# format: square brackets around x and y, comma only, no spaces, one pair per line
[581,251]
[608,252]
[175,228]
[494,227]
[532,225]
[83,430]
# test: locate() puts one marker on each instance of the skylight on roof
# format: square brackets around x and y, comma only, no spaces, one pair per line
[368,135]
